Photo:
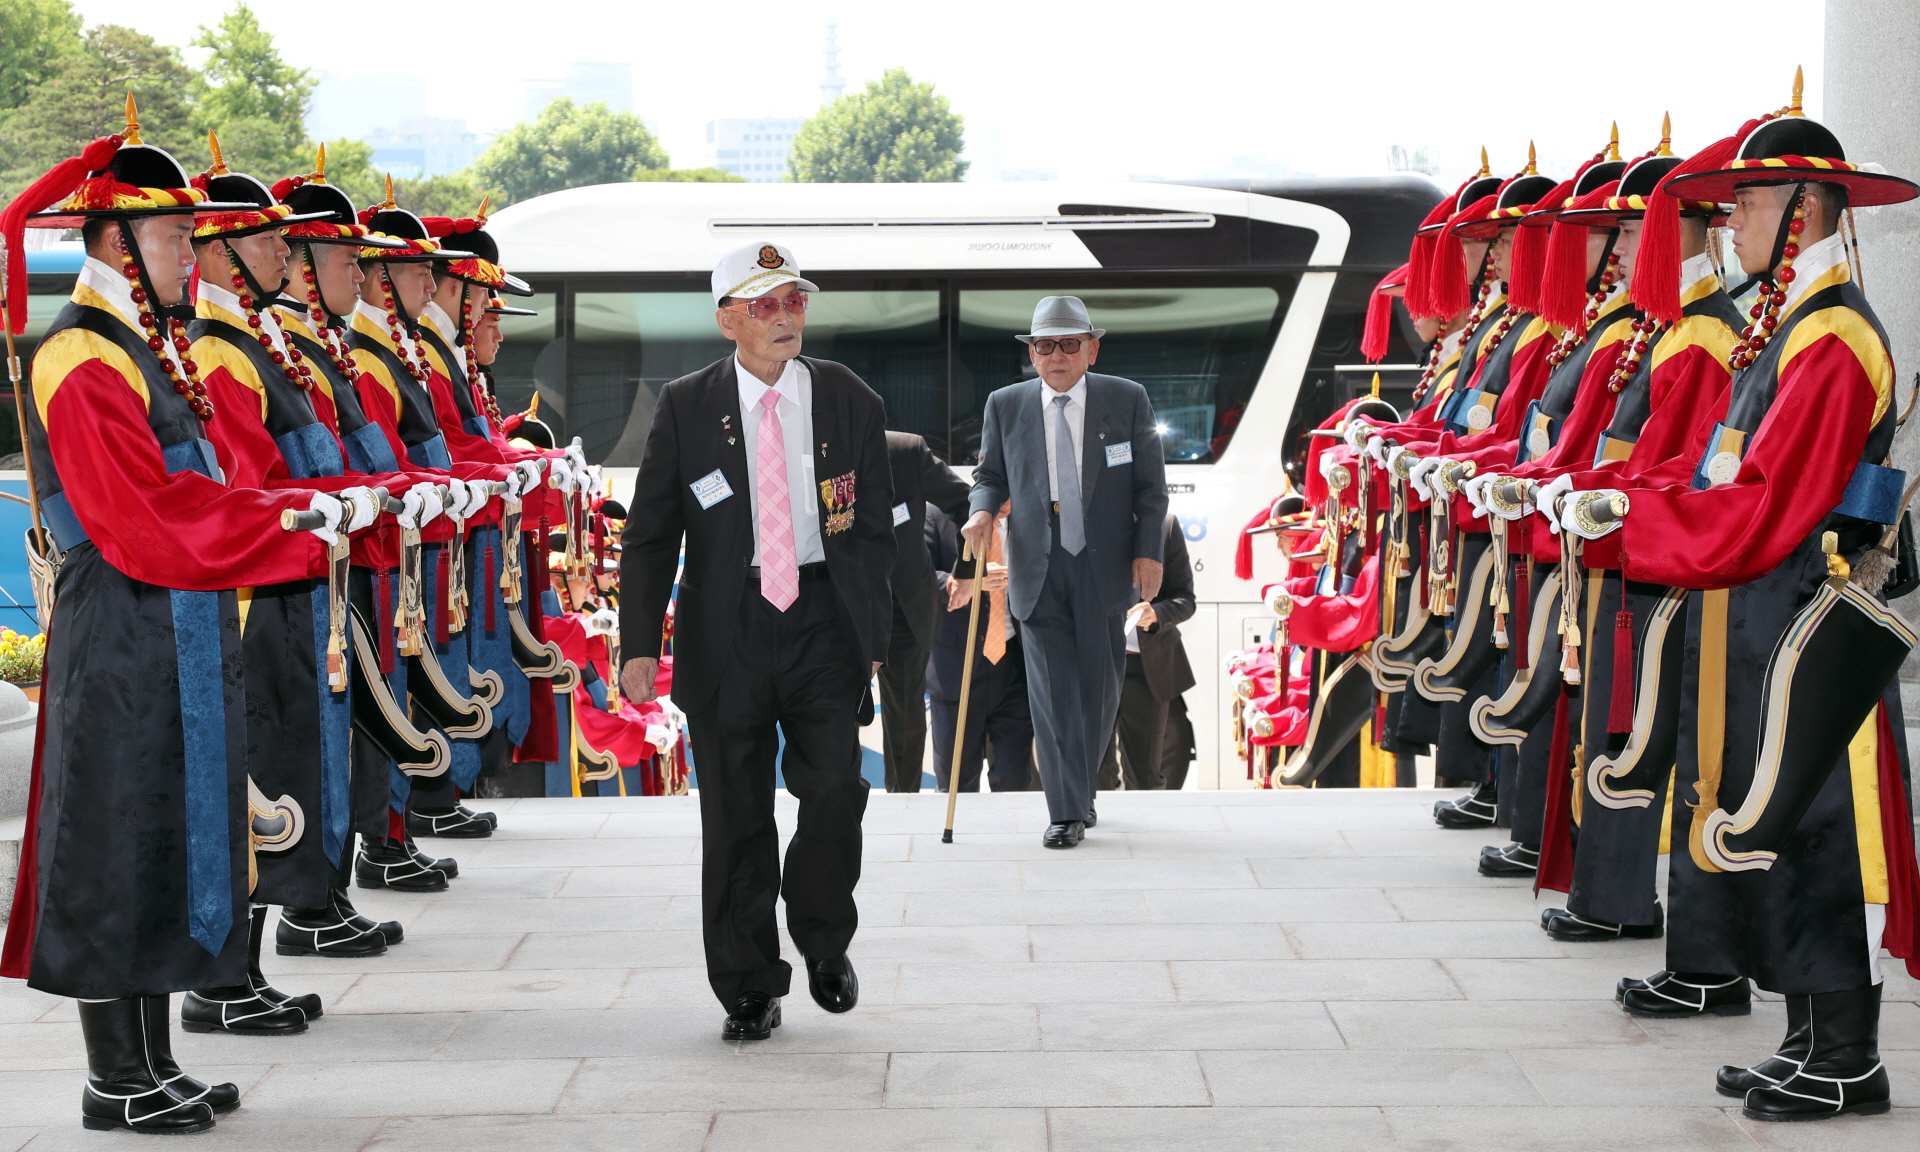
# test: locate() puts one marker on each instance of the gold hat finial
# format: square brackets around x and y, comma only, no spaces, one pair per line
[1486,169]
[319,167]
[1532,166]
[1376,386]
[1613,142]
[132,133]
[533,407]
[480,213]
[219,165]
[388,202]
[1799,85]
[1666,135]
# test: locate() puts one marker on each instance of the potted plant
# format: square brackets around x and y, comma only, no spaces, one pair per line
[21,660]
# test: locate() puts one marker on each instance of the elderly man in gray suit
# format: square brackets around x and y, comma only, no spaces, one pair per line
[1078,455]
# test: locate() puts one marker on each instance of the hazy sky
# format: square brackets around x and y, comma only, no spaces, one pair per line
[1113,89]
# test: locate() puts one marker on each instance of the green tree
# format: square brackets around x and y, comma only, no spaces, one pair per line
[689,176]
[87,97]
[896,132]
[256,101]
[37,38]
[568,146]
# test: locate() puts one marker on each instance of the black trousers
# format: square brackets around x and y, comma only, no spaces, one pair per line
[903,705]
[1178,747]
[997,711]
[1139,731]
[801,672]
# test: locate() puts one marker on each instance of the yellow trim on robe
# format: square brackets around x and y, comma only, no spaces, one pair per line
[245,596]
[1535,330]
[295,324]
[1377,766]
[1666,817]
[68,349]
[1706,332]
[368,361]
[211,352]
[1858,335]
[1621,329]
[1699,290]
[1863,764]
[1837,274]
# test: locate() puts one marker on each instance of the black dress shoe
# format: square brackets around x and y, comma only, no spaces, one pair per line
[1093,817]
[1842,1073]
[1474,810]
[342,906]
[384,864]
[1682,994]
[1065,834]
[1564,925]
[834,984]
[325,932]
[239,1010]
[754,1017]
[307,1003]
[446,865]
[1516,859]
[456,823]
[1780,1067]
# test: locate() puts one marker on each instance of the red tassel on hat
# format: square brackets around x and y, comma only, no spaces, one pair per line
[1420,260]
[1620,708]
[1450,291]
[1656,266]
[1563,290]
[1527,263]
[1373,339]
[60,182]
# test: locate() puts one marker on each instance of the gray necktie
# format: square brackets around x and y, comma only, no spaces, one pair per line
[1073,525]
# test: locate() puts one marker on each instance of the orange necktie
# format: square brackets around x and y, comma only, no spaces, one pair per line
[996,645]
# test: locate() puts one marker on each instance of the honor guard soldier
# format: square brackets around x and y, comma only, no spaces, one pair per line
[136,869]
[1792,799]
[783,617]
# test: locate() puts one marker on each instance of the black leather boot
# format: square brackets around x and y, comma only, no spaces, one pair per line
[447,866]
[1842,1072]
[325,932]
[1474,810]
[1564,925]
[456,823]
[1516,859]
[343,908]
[240,1010]
[307,1003]
[1735,1081]
[124,1089]
[158,1019]
[385,864]
[1674,994]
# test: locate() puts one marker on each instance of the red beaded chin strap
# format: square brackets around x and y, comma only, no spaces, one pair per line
[1571,337]
[410,352]
[1474,317]
[181,371]
[334,340]
[1632,350]
[1765,312]
[291,362]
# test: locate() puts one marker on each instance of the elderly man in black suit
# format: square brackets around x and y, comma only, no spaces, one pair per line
[772,466]
[920,480]
[997,706]
[1078,455]
[1157,671]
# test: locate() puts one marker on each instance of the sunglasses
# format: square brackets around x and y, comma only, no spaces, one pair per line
[767,307]
[1070,345]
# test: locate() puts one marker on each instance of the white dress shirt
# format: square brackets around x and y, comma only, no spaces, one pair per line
[1076,426]
[795,409]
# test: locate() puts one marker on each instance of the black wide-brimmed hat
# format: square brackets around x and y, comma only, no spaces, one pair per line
[392,222]
[262,214]
[1515,198]
[483,266]
[328,216]
[1792,149]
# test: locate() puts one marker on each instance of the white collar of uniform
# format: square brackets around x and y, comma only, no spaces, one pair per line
[437,316]
[1076,394]
[227,299]
[1695,269]
[752,388]
[1814,262]
[114,288]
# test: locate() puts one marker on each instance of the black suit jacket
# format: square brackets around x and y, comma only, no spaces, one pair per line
[1163,658]
[945,660]
[919,478]
[694,418]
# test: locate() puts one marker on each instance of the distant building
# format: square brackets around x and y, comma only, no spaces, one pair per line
[423,146]
[586,82]
[831,85]
[754,150]
[352,105]
[1400,158]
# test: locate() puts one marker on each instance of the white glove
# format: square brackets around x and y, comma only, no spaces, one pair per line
[1355,433]
[1421,470]
[456,498]
[1543,500]
[577,456]
[334,511]
[1393,453]
[420,506]
[524,479]
[1500,510]
[1377,448]
[1474,488]
[597,481]
[361,511]
[603,623]
[1570,520]
[560,473]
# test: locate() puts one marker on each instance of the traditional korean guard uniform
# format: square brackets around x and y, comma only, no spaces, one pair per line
[137,866]
[1792,802]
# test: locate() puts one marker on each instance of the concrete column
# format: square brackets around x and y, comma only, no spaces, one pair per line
[1871,99]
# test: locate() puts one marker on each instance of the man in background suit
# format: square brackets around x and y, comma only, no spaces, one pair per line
[1078,454]
[773,468]
[919,479]
[1157,671]
[997,701]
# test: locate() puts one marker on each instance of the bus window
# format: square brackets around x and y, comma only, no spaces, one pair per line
[1198,350]
[529,357]
[892,340]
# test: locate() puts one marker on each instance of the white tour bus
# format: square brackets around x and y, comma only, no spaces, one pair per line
[1239,308]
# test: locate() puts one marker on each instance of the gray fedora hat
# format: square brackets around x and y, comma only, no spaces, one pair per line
[1061,316]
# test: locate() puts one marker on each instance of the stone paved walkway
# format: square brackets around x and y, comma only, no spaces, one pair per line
[1217,971]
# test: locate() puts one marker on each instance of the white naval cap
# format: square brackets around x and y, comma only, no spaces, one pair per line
[756,270]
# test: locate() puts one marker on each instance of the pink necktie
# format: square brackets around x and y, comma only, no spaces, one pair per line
[779,567]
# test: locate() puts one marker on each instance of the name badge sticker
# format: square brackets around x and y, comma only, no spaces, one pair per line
[1121,453]
[899,515]
[711,489]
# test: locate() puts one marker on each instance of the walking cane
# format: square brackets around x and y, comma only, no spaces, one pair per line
[41,561]
[966,683]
